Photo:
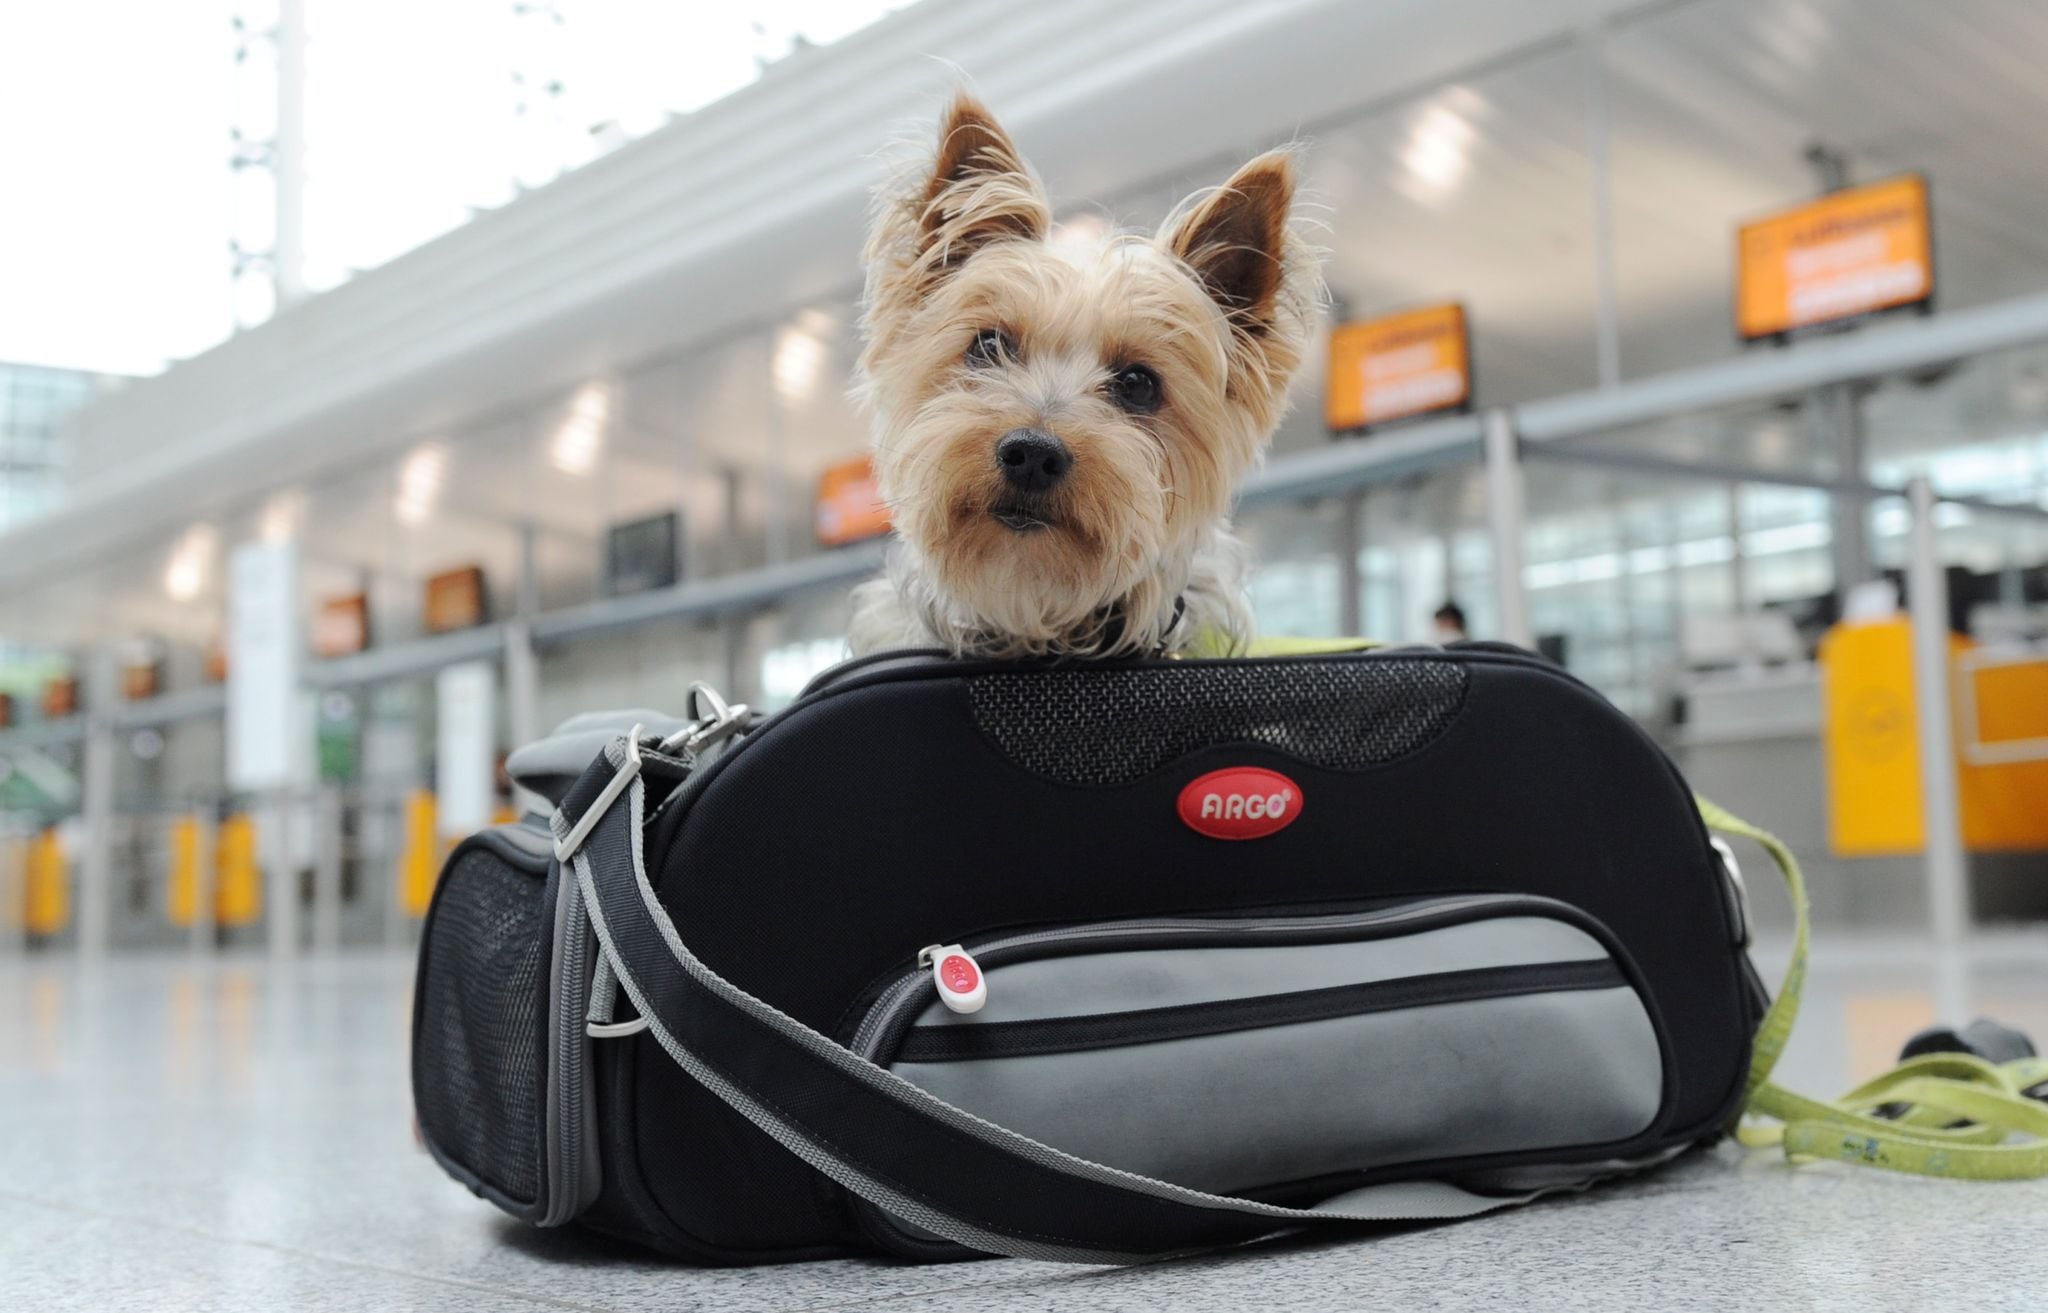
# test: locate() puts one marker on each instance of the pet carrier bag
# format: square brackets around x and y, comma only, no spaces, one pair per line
[1086,961]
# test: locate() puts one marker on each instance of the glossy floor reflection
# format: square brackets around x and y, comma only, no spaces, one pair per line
[234,1135]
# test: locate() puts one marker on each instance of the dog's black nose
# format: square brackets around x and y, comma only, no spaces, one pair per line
[1033,460]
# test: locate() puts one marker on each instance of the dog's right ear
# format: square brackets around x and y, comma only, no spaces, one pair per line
[979,190]
[976,190]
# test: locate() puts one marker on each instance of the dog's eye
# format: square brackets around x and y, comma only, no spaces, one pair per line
[1136,388]
[991,346]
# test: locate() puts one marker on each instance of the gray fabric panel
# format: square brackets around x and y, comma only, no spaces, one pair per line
[548,766]
[1091,983]
[1253,1108]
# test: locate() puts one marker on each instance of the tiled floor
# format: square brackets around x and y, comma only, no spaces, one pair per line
[235,1135]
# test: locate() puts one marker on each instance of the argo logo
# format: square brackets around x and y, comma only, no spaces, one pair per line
[1240,802]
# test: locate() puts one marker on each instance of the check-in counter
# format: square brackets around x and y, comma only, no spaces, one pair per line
[1825,754]
[1875,800]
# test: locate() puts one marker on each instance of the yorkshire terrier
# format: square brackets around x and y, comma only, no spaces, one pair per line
[1061,420]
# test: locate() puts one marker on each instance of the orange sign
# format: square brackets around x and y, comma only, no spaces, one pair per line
[141,680]
[455,599]
[1849,253]
[849,506]
[342,625]
[60,697]
[1411,363]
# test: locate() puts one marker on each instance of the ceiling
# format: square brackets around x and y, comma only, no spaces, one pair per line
[1479,188]
[1483,189]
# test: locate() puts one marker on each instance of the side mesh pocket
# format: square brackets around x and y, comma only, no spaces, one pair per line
[479,1024]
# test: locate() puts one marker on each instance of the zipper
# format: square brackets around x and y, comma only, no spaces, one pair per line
[900,1001]
[1035,1036]
[962,987]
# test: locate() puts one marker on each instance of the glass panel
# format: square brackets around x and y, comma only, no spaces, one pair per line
[1635,580]
[784,647]
[1297,576]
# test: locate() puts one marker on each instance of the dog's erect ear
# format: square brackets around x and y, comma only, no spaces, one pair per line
[980,190]
[976,190]
[1236,240]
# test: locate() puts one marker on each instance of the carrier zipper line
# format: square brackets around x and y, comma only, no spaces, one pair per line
[1308,929]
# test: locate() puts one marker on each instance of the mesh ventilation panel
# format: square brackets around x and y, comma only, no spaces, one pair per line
[478,1060]
[1086,726]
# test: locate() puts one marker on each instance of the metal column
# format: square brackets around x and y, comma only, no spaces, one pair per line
[1350,579]
[200,938]
[522,663]
[1504,523]
[1835,419]
[326,819]
[288,154]
[280,871]
[1738,559]
[1948,894]
[1839,421]
[96,807]
[1607,322]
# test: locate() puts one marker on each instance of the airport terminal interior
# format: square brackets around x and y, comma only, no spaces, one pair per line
[274,614]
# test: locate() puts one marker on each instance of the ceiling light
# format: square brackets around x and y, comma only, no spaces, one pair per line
[282,515]
[419,482]
[1438,151]
[799,360]
[185,575]
[581,436]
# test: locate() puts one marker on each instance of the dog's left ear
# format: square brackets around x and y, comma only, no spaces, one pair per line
[1238,244]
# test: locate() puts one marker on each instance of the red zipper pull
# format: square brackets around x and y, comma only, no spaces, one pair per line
[962,987]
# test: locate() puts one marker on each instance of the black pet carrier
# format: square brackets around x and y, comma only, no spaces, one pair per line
[1089,962]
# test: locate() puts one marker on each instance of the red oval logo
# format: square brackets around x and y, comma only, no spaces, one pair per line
[1240,802]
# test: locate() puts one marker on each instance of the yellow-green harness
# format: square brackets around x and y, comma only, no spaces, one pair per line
[1960,1112]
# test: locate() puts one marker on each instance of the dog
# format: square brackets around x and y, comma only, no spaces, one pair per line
[1061,420]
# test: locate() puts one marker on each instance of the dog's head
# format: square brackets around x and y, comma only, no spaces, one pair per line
[1061,419]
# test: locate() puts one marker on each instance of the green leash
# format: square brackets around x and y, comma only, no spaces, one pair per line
[1959,1111]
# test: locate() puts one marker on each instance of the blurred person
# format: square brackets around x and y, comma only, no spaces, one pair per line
[1448,624]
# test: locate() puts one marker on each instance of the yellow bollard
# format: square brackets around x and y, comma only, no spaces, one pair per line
[49,885]
[419,859]
[182,903]
[238,883]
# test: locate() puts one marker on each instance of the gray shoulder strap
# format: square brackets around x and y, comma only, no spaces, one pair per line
[925,1161]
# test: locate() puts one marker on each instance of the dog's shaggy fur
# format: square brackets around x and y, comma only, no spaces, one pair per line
[980,320]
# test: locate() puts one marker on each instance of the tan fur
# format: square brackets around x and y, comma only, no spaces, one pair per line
[1219,305]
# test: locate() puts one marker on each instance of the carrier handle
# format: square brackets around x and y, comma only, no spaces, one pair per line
[933,1165]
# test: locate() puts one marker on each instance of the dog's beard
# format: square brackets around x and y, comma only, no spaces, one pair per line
[1175,608]
[1052,571]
